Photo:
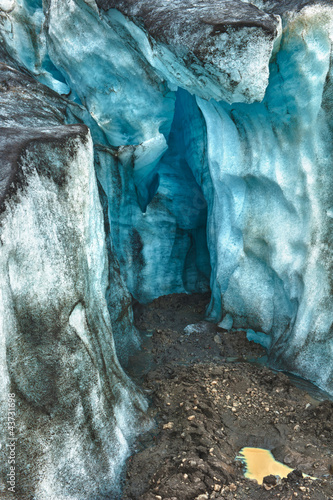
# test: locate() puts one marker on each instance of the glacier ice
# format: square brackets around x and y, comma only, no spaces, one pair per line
[199,50]
[270,166]
[113,80]
[78,410]
[259,167]
[227,322]
[259,338]
[23,38]
[163,249]
[212,138]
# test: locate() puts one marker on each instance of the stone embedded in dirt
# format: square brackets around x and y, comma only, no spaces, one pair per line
[295,475]
[288,459]
[201,328]
[270,480]
[169,425]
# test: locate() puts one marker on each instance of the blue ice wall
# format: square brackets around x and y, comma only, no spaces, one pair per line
[270,166]
[164,249]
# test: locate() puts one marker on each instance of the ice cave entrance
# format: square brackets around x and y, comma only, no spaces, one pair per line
[173,255]
[180,182]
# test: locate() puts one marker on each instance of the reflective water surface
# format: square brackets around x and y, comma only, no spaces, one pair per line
[260,463]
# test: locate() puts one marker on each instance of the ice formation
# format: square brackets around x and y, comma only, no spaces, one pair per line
[73,400]
[212,135]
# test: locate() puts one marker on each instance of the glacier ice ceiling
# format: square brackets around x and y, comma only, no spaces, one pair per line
[149,148]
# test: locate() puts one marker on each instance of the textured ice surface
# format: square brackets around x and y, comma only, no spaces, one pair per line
[215,49]
[78,411]
[164,249]
[270,166]
[259,338]
[103,64]
[227,322]
[19,97]
[22,36]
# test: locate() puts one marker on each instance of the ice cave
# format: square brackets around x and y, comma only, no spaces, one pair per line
[150,148]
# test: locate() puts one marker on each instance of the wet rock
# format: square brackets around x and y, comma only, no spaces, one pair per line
[202,328]
[270,480]
[295,475]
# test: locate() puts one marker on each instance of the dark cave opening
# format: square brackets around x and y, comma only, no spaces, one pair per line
[179,185]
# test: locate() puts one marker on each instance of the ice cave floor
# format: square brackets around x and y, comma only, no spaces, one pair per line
[211,395]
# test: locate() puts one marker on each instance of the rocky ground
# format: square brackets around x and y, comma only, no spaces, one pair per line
[211,395]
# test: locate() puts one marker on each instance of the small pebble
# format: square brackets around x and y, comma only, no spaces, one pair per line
[169,425]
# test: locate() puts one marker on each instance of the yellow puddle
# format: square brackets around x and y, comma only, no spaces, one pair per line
[260,463]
